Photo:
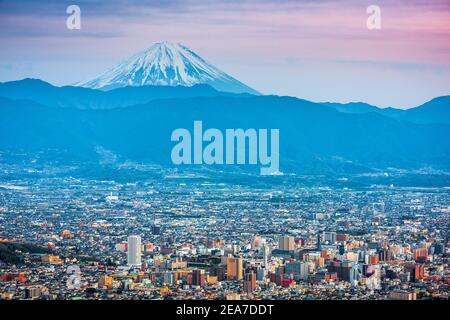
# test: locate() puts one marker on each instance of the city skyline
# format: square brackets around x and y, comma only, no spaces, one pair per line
[251,243]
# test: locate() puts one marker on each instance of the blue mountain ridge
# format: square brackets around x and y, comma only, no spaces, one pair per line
[36,117]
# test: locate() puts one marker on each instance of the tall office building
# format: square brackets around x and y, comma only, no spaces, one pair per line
[198,277]
[416,271]
[319,242]
[420,255]
[384,255]
[342,269]
[299,270]
[266,255]
[134,251]
[329,237]
[356,272]
[234,268]
[261,273]
[286,243]
[249,282]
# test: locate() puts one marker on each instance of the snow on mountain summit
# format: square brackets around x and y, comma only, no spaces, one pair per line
[166,64]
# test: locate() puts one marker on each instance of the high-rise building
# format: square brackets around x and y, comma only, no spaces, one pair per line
[416,271]
[356,272]
[421,255]
[286,243]
[299,269]
[198,277]
[234,268]
[329,237]
[249,282]
[134,251]
[384,255]
[261,273]
[266,254]
[342,268]
[219,272]
[319,242]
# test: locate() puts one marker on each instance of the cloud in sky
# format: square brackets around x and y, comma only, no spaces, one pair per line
[318,50]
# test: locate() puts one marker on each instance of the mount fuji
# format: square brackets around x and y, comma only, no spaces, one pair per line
[166,64]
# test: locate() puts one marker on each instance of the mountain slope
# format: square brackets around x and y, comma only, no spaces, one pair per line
[361,107]
[434,111]
[83,98]
[166,64]
[314,139]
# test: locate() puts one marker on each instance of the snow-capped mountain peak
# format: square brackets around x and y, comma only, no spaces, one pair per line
[166,64]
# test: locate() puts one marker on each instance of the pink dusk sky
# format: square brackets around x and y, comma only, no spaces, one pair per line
[312,49]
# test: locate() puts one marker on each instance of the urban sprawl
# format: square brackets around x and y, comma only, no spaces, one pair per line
[67,238]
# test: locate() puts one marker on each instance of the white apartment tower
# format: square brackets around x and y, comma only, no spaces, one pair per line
[134,251]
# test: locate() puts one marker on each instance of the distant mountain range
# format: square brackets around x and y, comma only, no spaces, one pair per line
[135,123]
[361,107]
[434,111]
[84,98]
[166,64]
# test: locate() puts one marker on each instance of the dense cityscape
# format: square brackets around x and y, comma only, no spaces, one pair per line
[186,238]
